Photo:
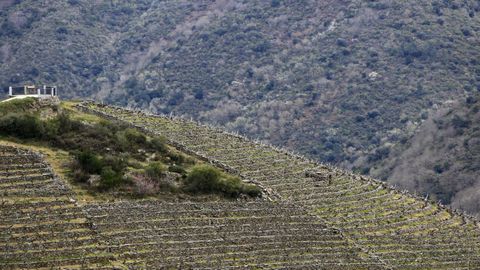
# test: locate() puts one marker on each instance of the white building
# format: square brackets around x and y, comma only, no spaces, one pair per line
[32,91]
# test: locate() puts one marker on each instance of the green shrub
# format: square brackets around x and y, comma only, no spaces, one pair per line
[52,128]
[177,158]
[231,186]
[130,138]
[460,123]
[159,144]
[135,136]
[66,124]
[89,162]
[117,163]
[275,3]
[22,126]
[60,125]
[110,178]
[80,176]
[206,179]
[252,190]
[108,126]
[203,179]
[155,170]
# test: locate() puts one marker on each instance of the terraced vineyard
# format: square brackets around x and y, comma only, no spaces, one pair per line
[154,235]
[395,229]
[42,227]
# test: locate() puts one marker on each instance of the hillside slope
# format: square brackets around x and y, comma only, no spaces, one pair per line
[443,157]
[397,229]
[316,217]
[346,82]
[44,225]
[41,224]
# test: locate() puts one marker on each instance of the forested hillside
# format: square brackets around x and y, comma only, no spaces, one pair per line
[346,82]
[443,158]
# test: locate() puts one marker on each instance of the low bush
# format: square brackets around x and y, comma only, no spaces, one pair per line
[155,171]
[21,125]
[117,162]
[203,179]
[89,162]
[252,190]
[110,178]
[207,179]
[159,144]
[135,136]
[177,158]
[111,169]
[67,124]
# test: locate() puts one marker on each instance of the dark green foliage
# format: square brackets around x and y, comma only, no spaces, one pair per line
[130,139]
[203,179]
[379,154]
[176,157]
[159,144]
[89,162]
[135,136]
[270,86]
[131,83]
[252,190]
[61,124]
[198,94]
[62,30]
[7,29]
[118,162]
[207,179]
[66,124]
[466,32]
[21,125]
[110,178]
[21,120]
[373,114]
[107,149]
[176,99]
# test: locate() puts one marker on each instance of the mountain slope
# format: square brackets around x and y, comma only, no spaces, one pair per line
[342,81]
[294,65]
[397,229]
[316,217]
[443,157]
